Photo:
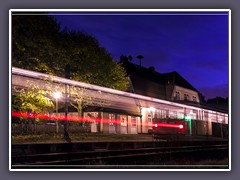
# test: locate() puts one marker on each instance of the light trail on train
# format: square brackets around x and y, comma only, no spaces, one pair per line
[78,119]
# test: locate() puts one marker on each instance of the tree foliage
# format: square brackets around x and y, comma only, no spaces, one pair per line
[33,99]
[33,43]
[92,63]
[39,45]
[83,99]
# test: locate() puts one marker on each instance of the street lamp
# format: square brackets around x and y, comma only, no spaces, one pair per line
[57,95]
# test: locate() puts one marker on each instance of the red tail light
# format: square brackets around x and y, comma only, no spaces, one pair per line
[180,126]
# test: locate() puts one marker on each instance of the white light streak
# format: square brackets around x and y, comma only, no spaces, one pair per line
[112,94]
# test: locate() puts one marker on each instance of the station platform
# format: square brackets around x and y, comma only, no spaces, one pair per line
[99,137]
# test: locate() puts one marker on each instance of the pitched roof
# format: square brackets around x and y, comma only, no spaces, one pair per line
[148,82]
[177,79]
[147,87]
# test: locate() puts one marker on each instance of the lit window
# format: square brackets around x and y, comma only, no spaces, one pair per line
[111,119]
[161,114]
[134,121]
[149,117]
[93,116]
[173,114]
[186,97]
[123,120]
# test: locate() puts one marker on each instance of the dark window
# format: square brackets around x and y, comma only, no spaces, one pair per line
[194,98]
[177,95]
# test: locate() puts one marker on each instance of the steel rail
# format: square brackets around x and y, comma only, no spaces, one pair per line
[84,157]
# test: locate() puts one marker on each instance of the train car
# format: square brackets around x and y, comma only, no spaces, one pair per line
[168,127]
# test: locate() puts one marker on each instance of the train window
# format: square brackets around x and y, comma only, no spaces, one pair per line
[161,114]
[123,120]
[180,115]
[164,114]
[133,121]
[173,114]
[111,119]
[92,116]
[149,117]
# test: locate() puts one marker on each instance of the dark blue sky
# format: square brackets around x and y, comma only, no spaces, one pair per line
[193,44]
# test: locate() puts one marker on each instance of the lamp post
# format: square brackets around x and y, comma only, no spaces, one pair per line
[57,95]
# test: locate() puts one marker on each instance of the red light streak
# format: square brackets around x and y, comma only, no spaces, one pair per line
[60,117]
[53,117]
[169,125]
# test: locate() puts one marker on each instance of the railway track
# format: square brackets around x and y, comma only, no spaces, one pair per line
[121,157]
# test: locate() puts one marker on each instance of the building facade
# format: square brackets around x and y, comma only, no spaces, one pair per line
[152,97]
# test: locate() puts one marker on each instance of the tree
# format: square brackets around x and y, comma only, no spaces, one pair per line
[219,102]
[140,57]
[92,63]
[33,43]
[123,59]
[39,45]
[31,100]
[130,58]
[83,99]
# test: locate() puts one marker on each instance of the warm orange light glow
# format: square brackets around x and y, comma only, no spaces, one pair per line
[152,109]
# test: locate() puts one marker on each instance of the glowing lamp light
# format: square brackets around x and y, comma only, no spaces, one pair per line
[155,125]
[57,95]
[180,126]
[152,109]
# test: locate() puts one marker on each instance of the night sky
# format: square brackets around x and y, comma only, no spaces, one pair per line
[193,44]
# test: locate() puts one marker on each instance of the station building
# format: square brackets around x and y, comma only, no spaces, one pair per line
[151,97]
[176,99]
